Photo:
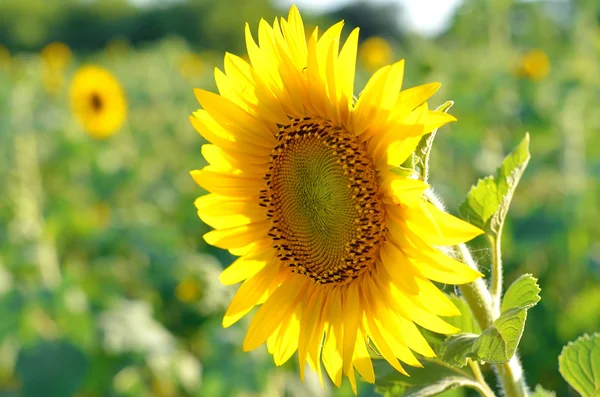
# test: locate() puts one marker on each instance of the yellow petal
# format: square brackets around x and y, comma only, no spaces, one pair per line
[397,266]
[235,164]
[270,315]
[239,236]
[253,91]
[366,107]
[250,292]
[223,212]
[410,99]
[310,319]
[332,348]
[227,184]
[352,311]
[392,327]
[286,342]
[373,327]
[436,119]
[437,266]
[246,267]
[361,359]
[438,227]
[432,322]
[352,379]
[347,68]
[214,133]
[238,122]
[402,190]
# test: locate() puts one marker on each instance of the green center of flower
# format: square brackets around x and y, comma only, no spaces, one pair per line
[323,199]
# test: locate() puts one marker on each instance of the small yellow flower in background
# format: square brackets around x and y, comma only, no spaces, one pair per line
[56,56]
[374,53]
[191,66]
[98,101]
[55,59]
[535,65]
[4,58]
[187,291]
[337,249]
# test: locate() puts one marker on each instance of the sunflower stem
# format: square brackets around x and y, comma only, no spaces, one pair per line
[476,293]
[496,282]
[485,390]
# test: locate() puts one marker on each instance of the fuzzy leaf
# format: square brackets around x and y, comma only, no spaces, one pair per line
[487,203]
[579,364]
[498,343]
[435,377]
[523,293]
[456,349]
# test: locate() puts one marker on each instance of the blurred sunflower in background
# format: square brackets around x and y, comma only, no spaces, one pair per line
[56,56]
[336,246]
[98,101]
[534,65]
[374,53]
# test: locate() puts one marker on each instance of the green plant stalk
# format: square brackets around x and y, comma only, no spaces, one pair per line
[485,389]
[480,302]
[496,282]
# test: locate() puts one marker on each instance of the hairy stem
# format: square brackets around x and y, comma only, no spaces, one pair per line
[496,283]
[476,293]
[485,389]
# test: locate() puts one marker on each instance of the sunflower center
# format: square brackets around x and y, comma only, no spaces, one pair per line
[96,102]
[322,195]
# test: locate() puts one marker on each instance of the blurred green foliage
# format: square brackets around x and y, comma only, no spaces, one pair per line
[106,286]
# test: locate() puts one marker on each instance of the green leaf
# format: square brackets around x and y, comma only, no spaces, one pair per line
[435,377]
[457,349]
[523,293]
[541,392]
[465,322]
[487,203]
[498,343]
[579,364]
[423,150]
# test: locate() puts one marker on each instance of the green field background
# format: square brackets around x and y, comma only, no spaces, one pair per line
[106,285]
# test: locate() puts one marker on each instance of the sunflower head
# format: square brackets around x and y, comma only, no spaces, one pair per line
[337,248]
[98,101]
[535,65]
[374,53]
[56,56]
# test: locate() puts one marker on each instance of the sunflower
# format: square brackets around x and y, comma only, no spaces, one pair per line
[535,65]
[374,53]
[56,56]
[336,246]
[98,101]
